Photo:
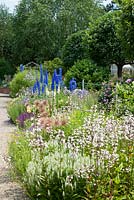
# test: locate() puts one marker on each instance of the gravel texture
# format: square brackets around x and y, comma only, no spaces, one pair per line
[9,190]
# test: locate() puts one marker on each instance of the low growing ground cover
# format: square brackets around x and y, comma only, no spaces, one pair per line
[68,147]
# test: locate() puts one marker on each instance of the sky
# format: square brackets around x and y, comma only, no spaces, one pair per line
[12,3]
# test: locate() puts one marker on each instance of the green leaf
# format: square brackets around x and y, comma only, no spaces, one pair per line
[117,179]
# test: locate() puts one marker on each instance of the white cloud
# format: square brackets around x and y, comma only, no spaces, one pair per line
[10,3]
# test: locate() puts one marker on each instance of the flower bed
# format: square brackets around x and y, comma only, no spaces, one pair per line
[68,147]
[67,163]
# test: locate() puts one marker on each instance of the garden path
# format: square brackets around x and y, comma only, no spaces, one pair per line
[9,189]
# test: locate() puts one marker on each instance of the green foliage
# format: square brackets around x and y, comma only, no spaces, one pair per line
[61,100]
[73,167]
[117,98]
[21,80]
[89,71]
[5,68]
[53,64]
[107,96]
[74,49]
[126,27]
[75,120]
[15,108]
[127,74]
[6,34]
[125,97]
[116,183]
[41,27]
[52,177]
[104,46]
[20,154]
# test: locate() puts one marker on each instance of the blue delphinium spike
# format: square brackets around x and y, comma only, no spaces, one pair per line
[52,87]
[53,82]
[45,77]
[21,68]
[55,73]
[41,74]
[34,87]
[43,89]
[38,86]
[72,84]
[56,81]
[44,80]
[59,76]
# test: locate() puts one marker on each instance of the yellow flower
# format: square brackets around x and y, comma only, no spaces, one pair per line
[28,109]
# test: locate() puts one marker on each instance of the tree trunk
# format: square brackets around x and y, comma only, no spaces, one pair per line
[119,71]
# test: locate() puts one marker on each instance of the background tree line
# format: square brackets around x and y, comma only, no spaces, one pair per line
[40,30]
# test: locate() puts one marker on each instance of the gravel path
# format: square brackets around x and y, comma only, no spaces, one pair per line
[9,190]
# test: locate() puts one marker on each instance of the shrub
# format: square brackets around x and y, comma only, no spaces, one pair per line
[89,71]
[74,49]
[117,98]
[106,96]
[53,64]
[15,108]
[21,80]
[125,96]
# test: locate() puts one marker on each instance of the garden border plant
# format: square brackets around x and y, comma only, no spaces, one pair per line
[71,160]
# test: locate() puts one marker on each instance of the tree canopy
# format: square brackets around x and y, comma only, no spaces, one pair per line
[74,49]
[40,30]
[104,45]
[6,33]
[126,27]
[41,27]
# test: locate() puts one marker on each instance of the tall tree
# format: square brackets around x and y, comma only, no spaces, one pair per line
[40,32]
[6,33]
[42,26]
[104,46]
[74,49]
[126,27]
[74,16]
[20,47]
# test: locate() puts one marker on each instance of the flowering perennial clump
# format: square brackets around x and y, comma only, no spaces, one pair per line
[101,144]
[23,117]
[44,118]
[70,150]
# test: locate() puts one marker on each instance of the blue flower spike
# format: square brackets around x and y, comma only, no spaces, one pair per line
[21,68]
[72,84]
[41,74]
